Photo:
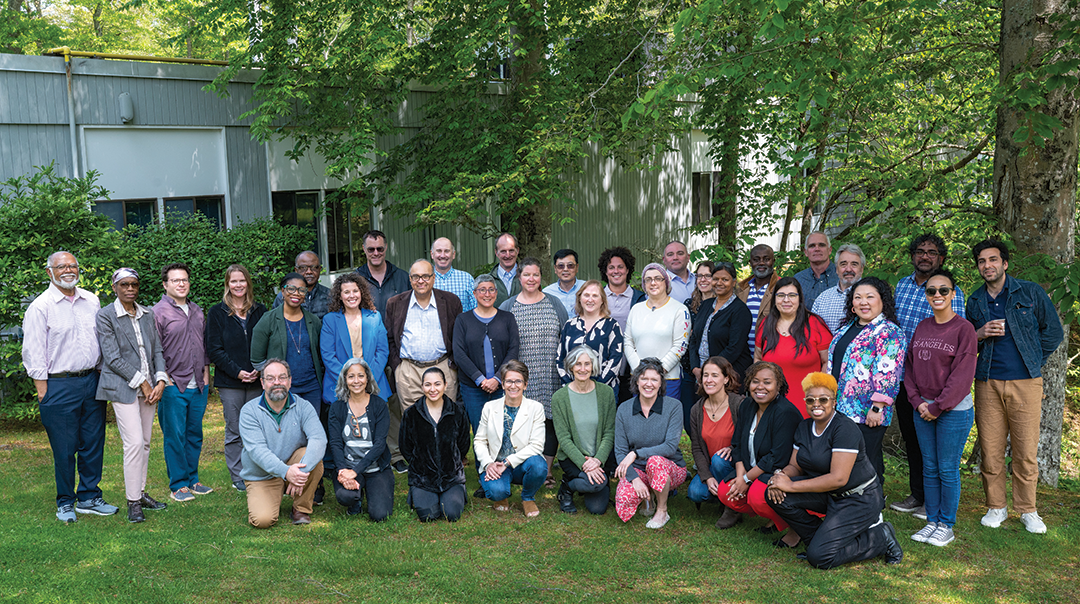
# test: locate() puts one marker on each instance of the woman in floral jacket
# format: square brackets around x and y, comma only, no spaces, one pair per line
[867,359]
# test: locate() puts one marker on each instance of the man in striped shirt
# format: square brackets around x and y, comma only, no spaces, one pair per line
[448,278]
[752,290]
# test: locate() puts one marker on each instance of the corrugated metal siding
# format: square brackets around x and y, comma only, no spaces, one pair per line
[22,147]
[249,191]
[33,98]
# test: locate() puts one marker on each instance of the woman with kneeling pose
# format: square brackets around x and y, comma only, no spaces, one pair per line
[359,420]
[760,445]
[712,424]
[434,440]
[647,431]
[584,415]
[509,443]
[830,473]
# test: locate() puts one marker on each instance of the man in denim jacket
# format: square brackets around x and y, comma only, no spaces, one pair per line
[1018,327]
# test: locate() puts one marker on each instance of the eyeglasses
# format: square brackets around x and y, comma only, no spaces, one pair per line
[927,253]
[486,290]
[513,382]
[276,379]
[179,281]
[376,249]
[787,295]
[421,278]
[654,279]
[65,267]
[292,289]
[566,266]
[817,400]
[943,291]
[125,285]
[304,268]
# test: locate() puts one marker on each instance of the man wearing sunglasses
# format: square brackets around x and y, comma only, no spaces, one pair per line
[318,295]
[928,253]
[384,279]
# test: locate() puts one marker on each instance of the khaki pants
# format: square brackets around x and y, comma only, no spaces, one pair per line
[409,379]
[1004,409]
[264,496]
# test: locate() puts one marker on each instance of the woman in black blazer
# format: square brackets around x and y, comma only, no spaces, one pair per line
[728,321]
[760,445]
[229,325]
[358,423]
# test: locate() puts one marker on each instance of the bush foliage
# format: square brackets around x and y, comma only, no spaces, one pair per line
[42,212]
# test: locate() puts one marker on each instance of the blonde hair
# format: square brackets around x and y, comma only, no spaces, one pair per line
[249,297]
[604,311]
[820,379]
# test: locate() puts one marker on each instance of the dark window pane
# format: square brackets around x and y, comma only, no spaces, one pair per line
[211,208]
[174,207]
[140,213]
[305,209]
[113,209]
[284,208]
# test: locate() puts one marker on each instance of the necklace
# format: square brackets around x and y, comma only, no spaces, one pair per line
[716,412]
[295,338]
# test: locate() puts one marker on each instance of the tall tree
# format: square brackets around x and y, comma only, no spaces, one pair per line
[1035,165]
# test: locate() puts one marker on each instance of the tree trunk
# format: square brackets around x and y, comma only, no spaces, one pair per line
[726,185]
[99,28]
[1035,187]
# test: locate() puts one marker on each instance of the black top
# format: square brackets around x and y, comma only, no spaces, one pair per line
[228,344]
[394,282]
[435,452]
[469,342]
[841,435]
[729,334]
[840,350]
[772,439]
[378,415]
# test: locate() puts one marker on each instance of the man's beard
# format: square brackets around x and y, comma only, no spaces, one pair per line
[763,272]
[277,394]
[66,281]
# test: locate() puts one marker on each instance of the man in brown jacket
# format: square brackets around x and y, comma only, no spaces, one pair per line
[754,288]
[419,328]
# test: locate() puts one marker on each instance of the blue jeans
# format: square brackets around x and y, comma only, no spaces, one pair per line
[474,399]
[530,475]
[942,443]
[698,491]
[181,417]
[75,421]
[688,396]
[673,388]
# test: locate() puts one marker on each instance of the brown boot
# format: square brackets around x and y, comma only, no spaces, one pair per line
[728,519]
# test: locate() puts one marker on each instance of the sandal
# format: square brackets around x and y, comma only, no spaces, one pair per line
[501,506]
[531,511]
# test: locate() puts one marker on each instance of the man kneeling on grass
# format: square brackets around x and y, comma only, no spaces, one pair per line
[282,439]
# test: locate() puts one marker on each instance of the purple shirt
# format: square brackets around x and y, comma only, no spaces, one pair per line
[182,341]
[60,333]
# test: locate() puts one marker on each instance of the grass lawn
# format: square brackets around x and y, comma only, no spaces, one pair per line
[204,551]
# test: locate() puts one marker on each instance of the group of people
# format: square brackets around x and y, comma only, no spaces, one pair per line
[785,386]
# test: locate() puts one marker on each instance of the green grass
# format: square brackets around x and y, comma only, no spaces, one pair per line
[204,551]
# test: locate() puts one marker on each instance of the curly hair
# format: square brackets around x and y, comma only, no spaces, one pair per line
[938,242]
[778,373]
[646,364]
[619,252]
[366,301]
[888,304]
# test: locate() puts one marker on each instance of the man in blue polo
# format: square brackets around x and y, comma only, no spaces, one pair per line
[567,285]
[821,274]
[928,253]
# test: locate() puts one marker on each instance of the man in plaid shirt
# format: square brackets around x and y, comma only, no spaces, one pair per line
[928,253]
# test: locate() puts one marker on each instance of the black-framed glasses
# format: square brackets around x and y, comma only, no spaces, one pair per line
[943,291]
[292,289]
[928,253]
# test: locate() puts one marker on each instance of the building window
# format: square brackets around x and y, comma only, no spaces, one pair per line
[344,229]
[703,186]
[210,207]
[298,209]
[127,212]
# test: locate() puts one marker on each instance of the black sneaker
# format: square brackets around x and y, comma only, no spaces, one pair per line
[479,494]
[893,554]
[400,467]
[320,492]
[135,514]
[907,506]
[566,498]
[147,502]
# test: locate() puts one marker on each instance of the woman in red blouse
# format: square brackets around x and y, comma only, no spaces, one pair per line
[792,337]
[712,423]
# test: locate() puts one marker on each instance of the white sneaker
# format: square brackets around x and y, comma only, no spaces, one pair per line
[1033,523]
[924,533]
[942,536]
[995,516]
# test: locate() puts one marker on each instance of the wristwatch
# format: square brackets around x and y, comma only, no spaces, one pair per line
[875,409]
[746,478]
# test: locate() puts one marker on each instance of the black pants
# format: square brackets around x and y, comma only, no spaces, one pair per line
[377,486]
[624,385]
[848,533]
[596,496]
[905,416]
[873,438]
[430,505]
[551,441]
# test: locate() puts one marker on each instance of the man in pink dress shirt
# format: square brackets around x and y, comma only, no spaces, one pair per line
[61,354]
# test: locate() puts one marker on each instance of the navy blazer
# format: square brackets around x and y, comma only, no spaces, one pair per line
[773,439]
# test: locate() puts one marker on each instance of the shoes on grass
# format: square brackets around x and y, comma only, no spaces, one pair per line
[201,489]
[942,536]
[149,503]
[182,494]
[66,513]
[907,506]
[1033,523]
[96,506]
[994,517]
[925,532]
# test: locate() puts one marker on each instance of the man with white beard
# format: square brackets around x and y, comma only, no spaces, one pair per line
[284,444]
[831,305]
[61,354]
[752,290]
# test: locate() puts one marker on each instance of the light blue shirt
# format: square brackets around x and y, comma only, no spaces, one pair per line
[422,339]
[458,283]
[568,299]
[682,290]
[507,276]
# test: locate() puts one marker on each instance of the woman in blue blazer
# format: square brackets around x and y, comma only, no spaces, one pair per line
[352,328]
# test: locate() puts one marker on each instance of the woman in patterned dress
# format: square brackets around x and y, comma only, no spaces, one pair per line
[593,327]
[540,318]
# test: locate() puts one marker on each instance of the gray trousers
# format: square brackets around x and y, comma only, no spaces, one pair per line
[232,400]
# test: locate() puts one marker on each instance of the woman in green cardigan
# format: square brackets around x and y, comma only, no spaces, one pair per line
[291,332]
[584,415]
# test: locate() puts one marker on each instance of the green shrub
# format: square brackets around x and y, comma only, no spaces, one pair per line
[40,214]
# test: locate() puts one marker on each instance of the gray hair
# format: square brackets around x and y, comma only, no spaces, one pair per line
[828,241]
[851,248]
[262,366]
[575,353]
[341,389]
[483,278]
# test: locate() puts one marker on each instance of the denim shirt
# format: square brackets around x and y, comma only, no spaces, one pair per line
[1032,318]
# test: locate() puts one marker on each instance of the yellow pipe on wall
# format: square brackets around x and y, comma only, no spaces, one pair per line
[67,53]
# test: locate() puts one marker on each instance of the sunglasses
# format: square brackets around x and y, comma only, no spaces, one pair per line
[817,400]
[944,291]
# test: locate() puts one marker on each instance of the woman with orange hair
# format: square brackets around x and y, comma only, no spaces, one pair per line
[829,473]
